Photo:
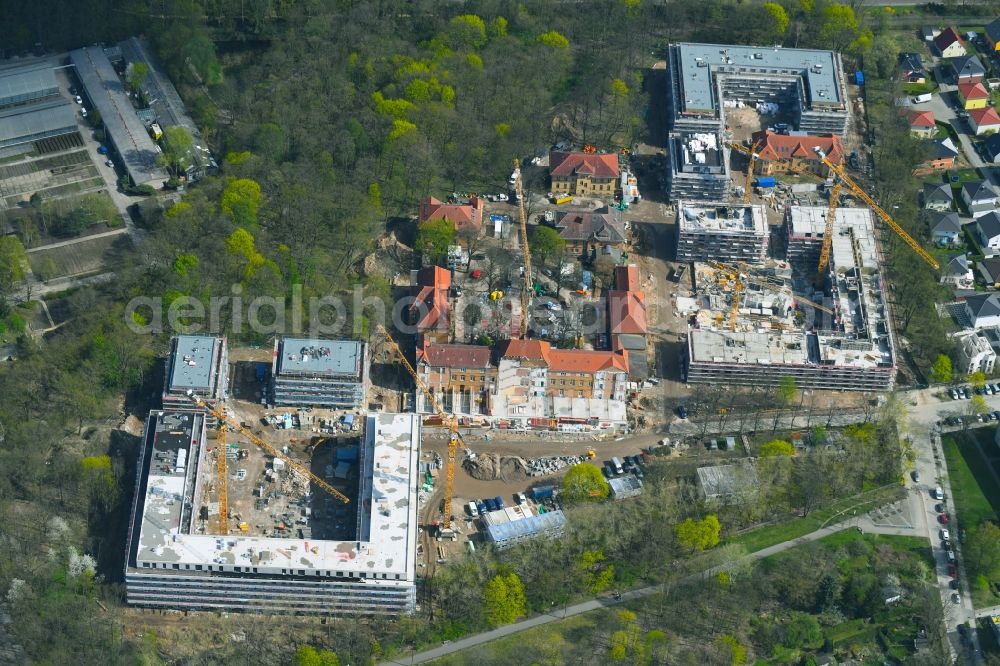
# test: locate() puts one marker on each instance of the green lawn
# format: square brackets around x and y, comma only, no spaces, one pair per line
[769,535]
[975,491]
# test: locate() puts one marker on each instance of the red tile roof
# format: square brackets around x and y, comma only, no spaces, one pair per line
[627,278]
[973,91]
[947,37]
[919,118]
[433,283]
[461,215]
[985,117]
[581,360]
[775,147]
[454,356]
[566,360]
[536,350]
[627,312]
[587,164]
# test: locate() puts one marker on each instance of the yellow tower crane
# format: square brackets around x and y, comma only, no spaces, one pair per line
[523,220]
[753,155]
[454,440]
[222,481]
[293,464]
[752,273]
[885,217]
[831,216]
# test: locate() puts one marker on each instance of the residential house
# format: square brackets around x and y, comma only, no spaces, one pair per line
[430,311]
[987,228]
[975,354]
[780,153]
[958,271]
[979,197]
[949,43]
[911,68]
[944,226]
[588,234]
[627,320]
[921,123]
[938,196]
[992,34]
[539,385]
[991,148]
[461,377]
[467,217]
[584,174]
[983,310]
[967,69]
[989,271]
[984,121]
[973,96]
[941,156]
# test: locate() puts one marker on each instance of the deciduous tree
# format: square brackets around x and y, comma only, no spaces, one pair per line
[13,263]
[433,239]
[941,371]
[777,447]
[544,242]
[584,483]
[503,599]
[697,535]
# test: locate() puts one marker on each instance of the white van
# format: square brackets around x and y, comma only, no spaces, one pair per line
[920,99]
[471,508]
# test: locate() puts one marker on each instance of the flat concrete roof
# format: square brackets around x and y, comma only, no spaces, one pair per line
[127,133]
[311,356]
[720,217]
[26,83]
[810,222]
[387,501]
[697,64]
[192,363]
[783,348]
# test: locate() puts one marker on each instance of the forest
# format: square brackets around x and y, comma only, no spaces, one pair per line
[332,119]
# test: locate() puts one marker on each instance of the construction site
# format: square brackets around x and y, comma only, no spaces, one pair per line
[327,525]
[760,323]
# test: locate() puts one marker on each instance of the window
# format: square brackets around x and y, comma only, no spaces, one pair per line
[579,394]
[177,566]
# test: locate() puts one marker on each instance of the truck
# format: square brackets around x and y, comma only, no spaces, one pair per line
[541,492]
[617,465]
[765,182]
[559,199]
[155,131]
[920,99]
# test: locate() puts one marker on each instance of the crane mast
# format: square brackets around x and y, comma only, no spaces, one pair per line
[222,480]
[447,419]
[884,216]
[523,220]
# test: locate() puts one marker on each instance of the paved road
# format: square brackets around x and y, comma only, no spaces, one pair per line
[81,239]
[602,602]
[925,411]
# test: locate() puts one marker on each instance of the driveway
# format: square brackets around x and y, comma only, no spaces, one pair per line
[944,112]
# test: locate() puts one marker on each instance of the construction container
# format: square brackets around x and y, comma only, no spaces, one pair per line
[766,181]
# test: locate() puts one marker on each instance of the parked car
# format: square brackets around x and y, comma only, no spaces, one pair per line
[491,505]
[499,501]
[944,518]
[940,508]
[945,536]
[950,555]
[682,411]
[956,598]
[937,493]
[953,584]
[915,475]
[481,505]
[953,393]
[952,571]
[78,100]
[109,163]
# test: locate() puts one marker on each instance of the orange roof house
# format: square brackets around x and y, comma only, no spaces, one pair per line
[780,152]
[590,362]
[973,95]
[921,122]
[463,216]
[430,311]
[588,164]
[627,303]
[984,120]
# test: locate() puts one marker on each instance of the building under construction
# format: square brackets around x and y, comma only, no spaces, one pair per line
[721,232]
[320,373]
[762,327]
[697,167]
[176,559]
[705,79]
[198,363]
